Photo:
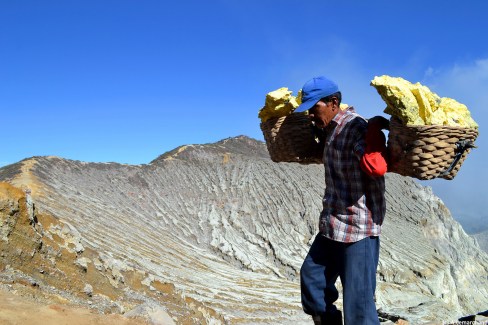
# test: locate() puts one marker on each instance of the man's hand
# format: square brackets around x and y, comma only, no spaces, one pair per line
[375,138]
[374,160]
[379,122]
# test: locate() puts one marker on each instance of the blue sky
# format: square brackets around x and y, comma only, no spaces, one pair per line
[126,81]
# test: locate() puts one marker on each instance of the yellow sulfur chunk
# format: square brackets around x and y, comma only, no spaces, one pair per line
[279,103]
[299,97]
[416,104]
[457,114]
[425,110]
[400,101]
[428,104]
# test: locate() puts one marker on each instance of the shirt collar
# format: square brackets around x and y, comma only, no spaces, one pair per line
[341,115]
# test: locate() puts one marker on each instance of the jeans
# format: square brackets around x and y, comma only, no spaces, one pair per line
[355,264]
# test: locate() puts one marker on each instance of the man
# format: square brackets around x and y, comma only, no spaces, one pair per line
[347,245]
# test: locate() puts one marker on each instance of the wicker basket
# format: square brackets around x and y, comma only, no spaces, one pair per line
[292,138]
[427,152]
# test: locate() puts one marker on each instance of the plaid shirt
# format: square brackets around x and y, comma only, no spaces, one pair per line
[354,203]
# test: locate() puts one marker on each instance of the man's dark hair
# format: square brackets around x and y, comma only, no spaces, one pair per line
[337,95]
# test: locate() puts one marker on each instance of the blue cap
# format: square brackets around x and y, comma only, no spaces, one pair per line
[314,90]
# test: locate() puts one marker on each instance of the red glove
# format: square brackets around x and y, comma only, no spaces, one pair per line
[374,161]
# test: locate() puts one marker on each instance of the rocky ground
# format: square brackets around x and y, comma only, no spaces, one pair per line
[216,234]
[28,309]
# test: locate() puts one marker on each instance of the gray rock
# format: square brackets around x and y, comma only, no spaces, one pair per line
[155,314]
[88,290]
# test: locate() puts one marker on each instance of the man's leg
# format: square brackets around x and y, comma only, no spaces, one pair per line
[317,280]
[359,281]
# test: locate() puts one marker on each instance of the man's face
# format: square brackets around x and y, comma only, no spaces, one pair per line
[322,113]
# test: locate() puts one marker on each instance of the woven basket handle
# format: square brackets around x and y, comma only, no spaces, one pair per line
[461,147]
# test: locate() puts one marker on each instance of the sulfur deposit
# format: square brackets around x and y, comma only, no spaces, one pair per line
[279,103]
[416,104]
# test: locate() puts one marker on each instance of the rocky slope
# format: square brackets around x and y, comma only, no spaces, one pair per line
[215,234]
[482,239]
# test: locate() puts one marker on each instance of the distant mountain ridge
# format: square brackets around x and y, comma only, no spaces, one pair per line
[216,233]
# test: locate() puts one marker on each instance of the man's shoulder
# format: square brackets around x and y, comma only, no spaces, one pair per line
[354,119]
